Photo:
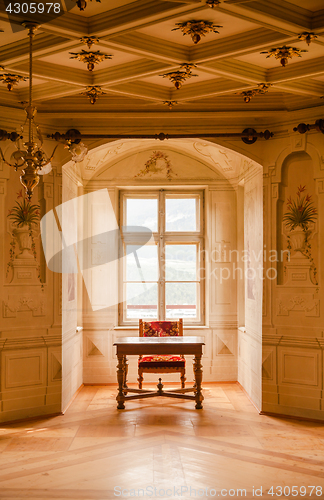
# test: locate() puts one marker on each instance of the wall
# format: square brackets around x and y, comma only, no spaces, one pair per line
[293,306]
[30,326]
[72,340]
[250,336]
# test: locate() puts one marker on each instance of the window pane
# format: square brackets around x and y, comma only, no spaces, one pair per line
[180,262]
[141,263]
[180,214]
[142,212]
[141,300]
[181,300]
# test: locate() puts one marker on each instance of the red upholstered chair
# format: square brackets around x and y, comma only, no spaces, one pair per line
[166,363]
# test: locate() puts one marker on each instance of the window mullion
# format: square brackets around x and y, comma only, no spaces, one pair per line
[161,304]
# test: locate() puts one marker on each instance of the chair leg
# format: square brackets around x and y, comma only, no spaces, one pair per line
[140,379]
[183,378]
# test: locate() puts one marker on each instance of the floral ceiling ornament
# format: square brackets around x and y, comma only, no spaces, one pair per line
[197,29]
[307,36]
[11,80]
[170,104]
[90,58]
[93,92]
[158,162]
[284,53]
[82,4]
[248,94]
[89,40]
[178,77]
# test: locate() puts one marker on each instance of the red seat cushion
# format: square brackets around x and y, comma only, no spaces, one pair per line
[157,361]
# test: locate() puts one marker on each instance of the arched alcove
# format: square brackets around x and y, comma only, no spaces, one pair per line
[231,185]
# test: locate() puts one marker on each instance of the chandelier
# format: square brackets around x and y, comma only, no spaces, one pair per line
[30,157]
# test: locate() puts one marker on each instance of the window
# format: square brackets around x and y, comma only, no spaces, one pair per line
[162,272]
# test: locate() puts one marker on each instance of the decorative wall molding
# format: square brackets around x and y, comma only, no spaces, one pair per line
[298,142]
[34,303]
[296,367]
[9,344]
[268,359]
[25,368]
[223,325]
[320,186]
[275,191]
[290,341]
[306,303]
[225,344]
[3,187]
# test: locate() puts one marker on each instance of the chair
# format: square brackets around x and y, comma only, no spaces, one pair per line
[166,363]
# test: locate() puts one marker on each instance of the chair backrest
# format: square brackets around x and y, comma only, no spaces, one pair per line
[161,328]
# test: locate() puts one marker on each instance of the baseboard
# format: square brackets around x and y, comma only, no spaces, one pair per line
[72,399]
[249,397]
[37,416]
[306,414]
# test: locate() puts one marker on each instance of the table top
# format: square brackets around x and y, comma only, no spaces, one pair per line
[159,340]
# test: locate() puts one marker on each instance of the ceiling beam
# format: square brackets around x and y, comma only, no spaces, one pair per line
[149,47]
[236,70]
[43,44]
[296,71]
[236,45]
[57,73]
[142,90]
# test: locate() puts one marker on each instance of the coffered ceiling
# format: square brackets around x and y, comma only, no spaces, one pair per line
[139,36]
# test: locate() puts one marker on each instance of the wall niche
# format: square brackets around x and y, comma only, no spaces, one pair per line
[297,202]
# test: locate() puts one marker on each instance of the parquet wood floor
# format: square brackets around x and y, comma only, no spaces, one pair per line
[94,451]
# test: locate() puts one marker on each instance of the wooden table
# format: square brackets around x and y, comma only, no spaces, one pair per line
[158,345]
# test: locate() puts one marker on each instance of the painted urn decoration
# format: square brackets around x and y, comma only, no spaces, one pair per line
[299,219]
[24,218]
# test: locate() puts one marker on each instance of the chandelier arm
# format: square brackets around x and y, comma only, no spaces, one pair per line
[52,155]
[6,162]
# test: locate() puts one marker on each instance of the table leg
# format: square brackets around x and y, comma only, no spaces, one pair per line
[125,374]
[120,379]
[198,379]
